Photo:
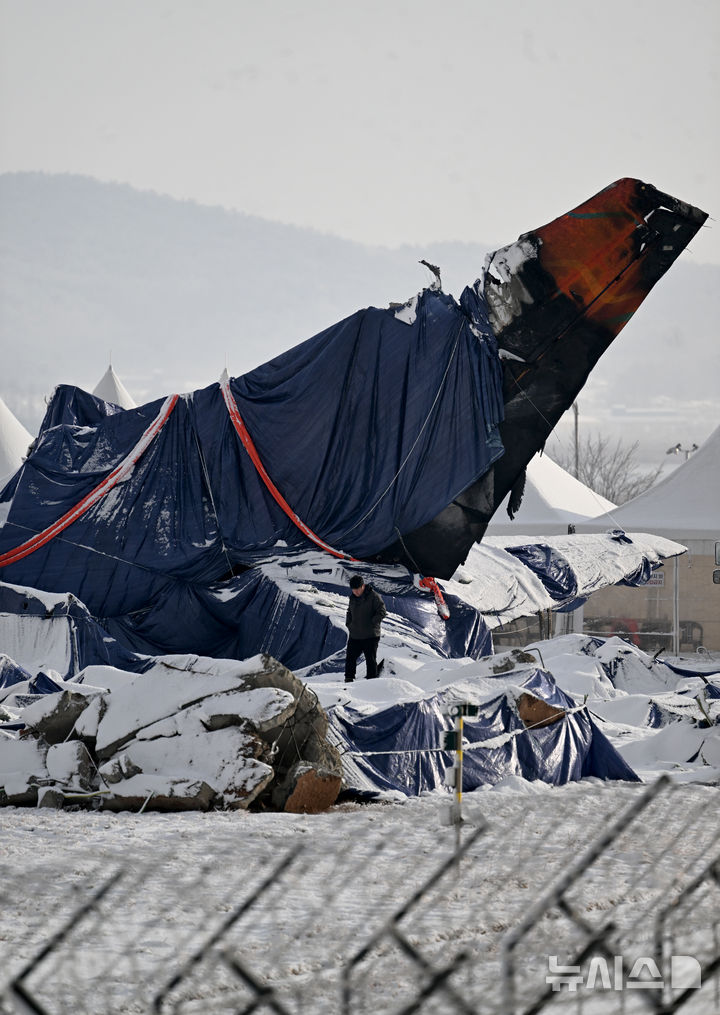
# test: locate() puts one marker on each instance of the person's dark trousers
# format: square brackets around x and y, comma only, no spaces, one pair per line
[357,647]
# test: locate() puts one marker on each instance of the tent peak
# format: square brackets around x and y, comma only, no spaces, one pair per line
[111,389]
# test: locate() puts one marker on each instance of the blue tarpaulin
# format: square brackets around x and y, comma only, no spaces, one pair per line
[86,642]
[397,748]
[270,608]
[551,567]
[368,429]
[12,673]
[255,612]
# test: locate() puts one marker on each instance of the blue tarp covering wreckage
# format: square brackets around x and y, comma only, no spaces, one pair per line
[381,750]
[388,441]
[368,429]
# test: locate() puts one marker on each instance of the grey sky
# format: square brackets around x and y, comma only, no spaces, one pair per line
[384,121]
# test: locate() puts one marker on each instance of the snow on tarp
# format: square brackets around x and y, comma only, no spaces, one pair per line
[292,606]
[11,673]
[51,631]
[409,419]
[506,577]
[552,569]
[396,748]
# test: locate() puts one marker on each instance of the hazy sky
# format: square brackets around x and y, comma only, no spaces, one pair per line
[384,121]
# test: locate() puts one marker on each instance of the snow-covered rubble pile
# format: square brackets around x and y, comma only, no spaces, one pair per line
[189,733]
[657,719]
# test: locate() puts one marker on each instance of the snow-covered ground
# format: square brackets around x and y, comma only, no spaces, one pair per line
[335,879]
[289,901]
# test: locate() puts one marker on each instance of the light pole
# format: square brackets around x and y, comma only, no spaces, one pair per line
[678,449]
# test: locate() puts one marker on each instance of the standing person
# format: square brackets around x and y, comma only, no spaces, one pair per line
[364,616]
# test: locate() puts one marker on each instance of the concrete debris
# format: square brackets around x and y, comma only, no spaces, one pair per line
[49,797]
[53,716]
[536,713]
[191,733]
[306,789]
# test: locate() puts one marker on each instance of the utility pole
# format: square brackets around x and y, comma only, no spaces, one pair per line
[680,450]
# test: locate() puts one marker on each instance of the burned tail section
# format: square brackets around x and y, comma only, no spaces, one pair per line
[557,299]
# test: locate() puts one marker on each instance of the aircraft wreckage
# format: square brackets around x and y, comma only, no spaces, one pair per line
[391,437]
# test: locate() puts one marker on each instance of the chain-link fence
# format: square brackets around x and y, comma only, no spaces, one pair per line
[601,902]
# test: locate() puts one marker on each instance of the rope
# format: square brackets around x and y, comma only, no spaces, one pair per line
[484,745]
[212,499]
[415,442]
[252,451]
[292,721]
[103,553]
[120,473]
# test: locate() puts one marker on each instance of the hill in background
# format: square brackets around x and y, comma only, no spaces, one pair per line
[176,291]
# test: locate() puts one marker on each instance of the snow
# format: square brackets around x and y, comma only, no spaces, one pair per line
[503,588]
[61,761]
[105,678]
[186,876]
[408,312]
[163,690]
[192,755]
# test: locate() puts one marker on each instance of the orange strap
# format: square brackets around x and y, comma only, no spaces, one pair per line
[119,473]
[432,585]
[249,446]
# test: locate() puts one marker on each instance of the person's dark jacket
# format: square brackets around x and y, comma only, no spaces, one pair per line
[365,614]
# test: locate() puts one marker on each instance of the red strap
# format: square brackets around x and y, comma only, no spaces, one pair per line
[249,446]
[432,585]
[120,472]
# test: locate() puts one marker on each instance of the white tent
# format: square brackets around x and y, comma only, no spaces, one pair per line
[684,506]
[14,443]
[111,389]
[553,499]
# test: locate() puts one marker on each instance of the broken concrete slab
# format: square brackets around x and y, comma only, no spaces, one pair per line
[306,789]
[54,715]
[158,793]
[71,765]
[189,733]
[226,760]
[175,683]
[261,709]
[48,796]
[22,767]
[86,724]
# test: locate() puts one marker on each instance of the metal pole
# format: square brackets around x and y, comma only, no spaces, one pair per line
[458,781]
[676,609]
[577,446]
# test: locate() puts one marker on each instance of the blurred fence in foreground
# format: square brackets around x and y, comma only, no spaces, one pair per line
[619,912]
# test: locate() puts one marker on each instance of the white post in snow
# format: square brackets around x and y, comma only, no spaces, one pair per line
[578,619]
[676,609]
